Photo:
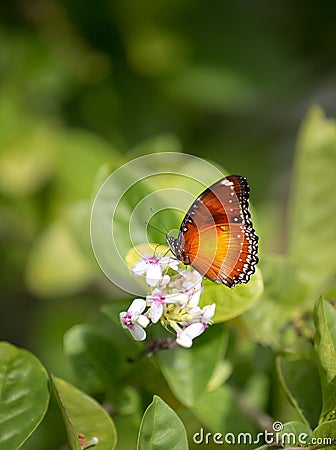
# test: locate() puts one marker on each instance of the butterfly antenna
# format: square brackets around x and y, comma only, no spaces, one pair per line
[158,245]
[159,220]
[167,251]
[154,228]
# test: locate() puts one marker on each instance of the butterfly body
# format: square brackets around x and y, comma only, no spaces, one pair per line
[216,236]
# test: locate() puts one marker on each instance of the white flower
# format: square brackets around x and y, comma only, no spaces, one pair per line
[190,283]
[173,300]
[197,324]
[168,261]
[134,321]
[152,266]
[186,336]
[208,312]
[163,282]
[157,299]
[203,315]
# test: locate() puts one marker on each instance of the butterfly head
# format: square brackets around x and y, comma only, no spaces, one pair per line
[176,246]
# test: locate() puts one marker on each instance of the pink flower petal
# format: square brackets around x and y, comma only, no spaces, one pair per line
[156,312]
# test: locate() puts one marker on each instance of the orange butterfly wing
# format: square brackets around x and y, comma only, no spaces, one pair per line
[217,237]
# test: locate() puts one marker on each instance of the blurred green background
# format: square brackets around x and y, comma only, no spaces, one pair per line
[85,86]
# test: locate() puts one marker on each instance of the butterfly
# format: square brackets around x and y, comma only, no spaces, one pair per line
[216,236]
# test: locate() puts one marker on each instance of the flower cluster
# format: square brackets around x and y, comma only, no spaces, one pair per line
[173,301]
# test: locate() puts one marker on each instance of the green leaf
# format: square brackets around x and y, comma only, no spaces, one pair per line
[325,338]
[312,237]
[27,160]
[220,410]
[282,280]
[56,265]
[188,371]
[77,217]
[301,381]
[220,375]
[284,300]
[161,428]
[82,414]
[231,302]
[328,398]
[325,435]
[24,387]
[80,156]
[94,358]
